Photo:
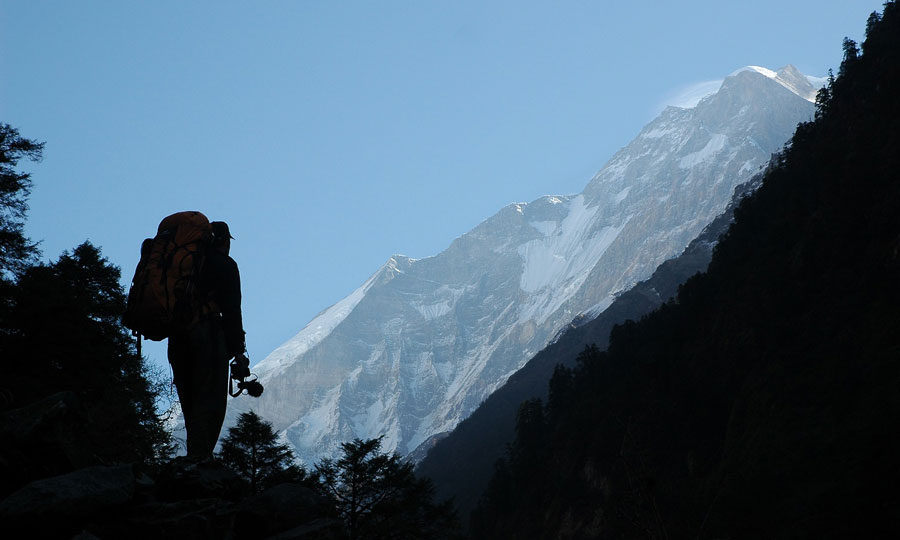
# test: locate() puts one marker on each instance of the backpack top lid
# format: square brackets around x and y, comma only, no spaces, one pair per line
[186,227]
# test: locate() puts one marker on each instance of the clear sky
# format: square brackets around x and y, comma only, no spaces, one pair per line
[333,134]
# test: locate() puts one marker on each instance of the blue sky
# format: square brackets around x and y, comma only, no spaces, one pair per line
[331,135]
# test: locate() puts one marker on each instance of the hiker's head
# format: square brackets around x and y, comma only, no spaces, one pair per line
[221,236]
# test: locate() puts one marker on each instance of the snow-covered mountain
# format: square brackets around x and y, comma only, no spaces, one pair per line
[419,345]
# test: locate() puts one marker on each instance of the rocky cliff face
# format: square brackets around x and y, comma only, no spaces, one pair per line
[417,347]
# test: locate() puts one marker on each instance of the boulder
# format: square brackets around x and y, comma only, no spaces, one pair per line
[196,519]
[184,479]
[85,535]
[277,509]
[65,502]
[42,439]
[320,529]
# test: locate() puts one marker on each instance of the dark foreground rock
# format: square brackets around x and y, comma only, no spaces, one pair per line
[47,505]
[272,511]
[42,439]
[182,500]
[315,530]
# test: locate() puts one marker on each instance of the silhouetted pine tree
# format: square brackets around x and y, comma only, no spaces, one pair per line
[252,450]
[379,496]
[16,252]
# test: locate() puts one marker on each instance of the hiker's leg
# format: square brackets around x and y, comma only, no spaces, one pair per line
[181,357]
[210,381]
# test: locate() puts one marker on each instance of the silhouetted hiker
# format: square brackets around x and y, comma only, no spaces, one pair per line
[201,354]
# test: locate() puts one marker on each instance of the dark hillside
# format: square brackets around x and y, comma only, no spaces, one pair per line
[763,402]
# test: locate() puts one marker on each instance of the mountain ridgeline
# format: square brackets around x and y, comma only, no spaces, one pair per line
[762,401]
[422,343]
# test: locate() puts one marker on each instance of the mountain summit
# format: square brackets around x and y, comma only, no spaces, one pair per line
[789,77]
[417,347]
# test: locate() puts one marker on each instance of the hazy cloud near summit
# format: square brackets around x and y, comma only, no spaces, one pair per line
[688,96]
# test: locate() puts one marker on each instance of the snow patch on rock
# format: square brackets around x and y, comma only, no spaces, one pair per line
[713,147]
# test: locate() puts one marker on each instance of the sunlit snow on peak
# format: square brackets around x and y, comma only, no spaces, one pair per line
[788,77]
[761,70]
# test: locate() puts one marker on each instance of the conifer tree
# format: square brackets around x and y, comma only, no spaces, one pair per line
[252,450]
[379,496]
[65,320]
[15,186]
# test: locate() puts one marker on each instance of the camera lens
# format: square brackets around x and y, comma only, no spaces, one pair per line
[253,388]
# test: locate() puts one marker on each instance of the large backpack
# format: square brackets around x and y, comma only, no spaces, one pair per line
[166,296]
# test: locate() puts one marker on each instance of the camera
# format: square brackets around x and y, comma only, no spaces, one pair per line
[254,388]
[240,370]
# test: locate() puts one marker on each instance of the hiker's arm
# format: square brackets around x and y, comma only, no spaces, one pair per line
[231,311]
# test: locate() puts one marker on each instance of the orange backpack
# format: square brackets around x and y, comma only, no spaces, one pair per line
[165,295]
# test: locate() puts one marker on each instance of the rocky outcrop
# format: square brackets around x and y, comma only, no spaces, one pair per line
[82,492]
[290,506]
[42,439]
[182,499]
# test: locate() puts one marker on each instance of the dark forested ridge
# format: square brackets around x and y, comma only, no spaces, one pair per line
[461,464]
[763,401]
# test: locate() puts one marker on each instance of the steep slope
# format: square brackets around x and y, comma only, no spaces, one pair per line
[762,403]
[414,350]
[461,464]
